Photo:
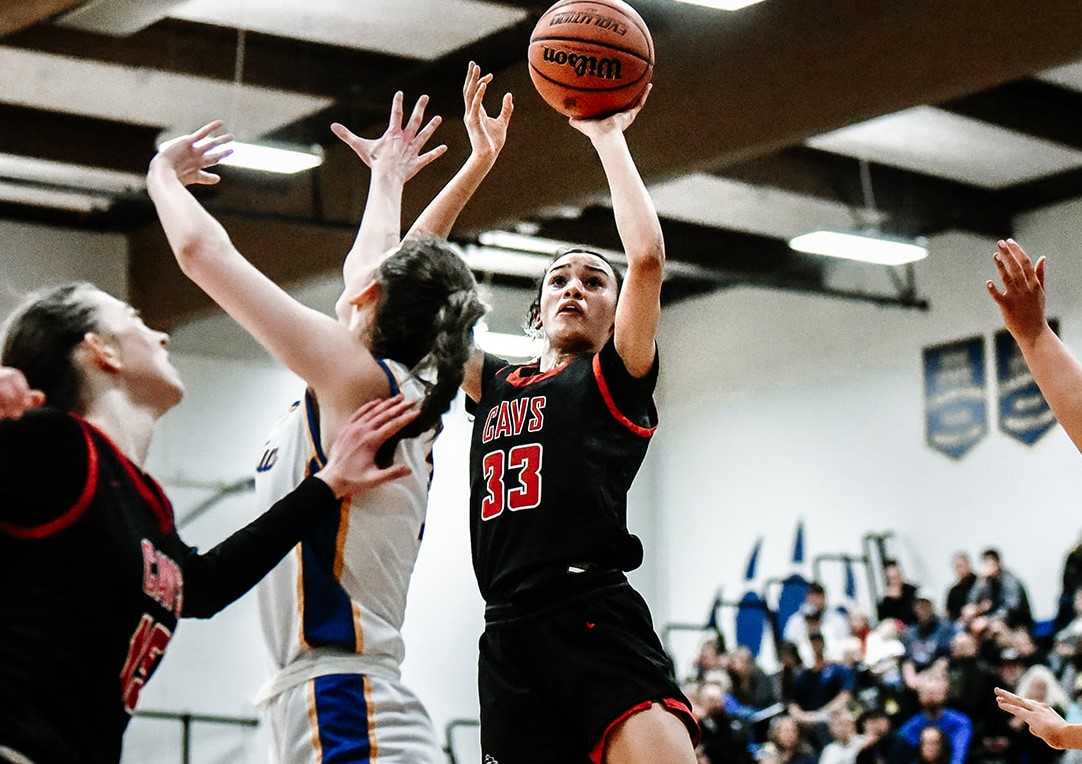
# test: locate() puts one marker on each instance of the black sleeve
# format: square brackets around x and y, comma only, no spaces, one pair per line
[45,483]
[218,578]
[632,396]
[489,366]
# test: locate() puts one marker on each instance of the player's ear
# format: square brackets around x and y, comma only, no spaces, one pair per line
[370,293]
[100,354]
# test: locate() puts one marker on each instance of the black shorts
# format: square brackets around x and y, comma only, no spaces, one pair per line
[556,679]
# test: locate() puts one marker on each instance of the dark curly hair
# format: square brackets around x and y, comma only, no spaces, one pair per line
[40,337]
[533,314]
[427,310]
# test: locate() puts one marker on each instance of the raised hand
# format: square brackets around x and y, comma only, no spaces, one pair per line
[1022,300]
[16,397]
[189,156]
[351,467]
[487,134]
[398,151]
[614,123]
[1041,719]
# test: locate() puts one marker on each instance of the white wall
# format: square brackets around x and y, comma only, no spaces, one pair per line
[34,256]
[778,407]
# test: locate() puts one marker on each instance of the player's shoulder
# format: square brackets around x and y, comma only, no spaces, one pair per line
[40,424]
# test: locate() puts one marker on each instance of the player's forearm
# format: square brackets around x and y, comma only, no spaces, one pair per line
[214,580]
[636,217]
[438,218]
[381,226]
[192,232]
[1059,376]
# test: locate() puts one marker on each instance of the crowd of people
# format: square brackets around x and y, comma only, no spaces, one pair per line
[917,686]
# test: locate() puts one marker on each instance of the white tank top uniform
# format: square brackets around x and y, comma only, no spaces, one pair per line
[332,610]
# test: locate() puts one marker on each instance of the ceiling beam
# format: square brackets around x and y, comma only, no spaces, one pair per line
[208,51]
[915,204]
[1031,107]
[21,14]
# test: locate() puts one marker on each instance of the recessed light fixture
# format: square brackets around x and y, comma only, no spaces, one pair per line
[281,160]
[723,5]
[46,171]
[508,345]
[864,247]
[43,196]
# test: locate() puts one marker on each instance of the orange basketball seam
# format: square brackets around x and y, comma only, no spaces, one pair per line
[617,48]
[545,77]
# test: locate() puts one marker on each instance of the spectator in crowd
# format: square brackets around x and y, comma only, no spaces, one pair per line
[927,640]
[965,579]
[820,689]
[934,748]
[898,597]
[1072,582]
[998,740]
[874,726]
[789,746]
[1073,626]
[1039,684]
[998,594]
[846,743]
[751,686]
[955,725]
[971,683]
[859,627]
[711,657]
[1064,658]
[790,666]
[723,737]
[815,616]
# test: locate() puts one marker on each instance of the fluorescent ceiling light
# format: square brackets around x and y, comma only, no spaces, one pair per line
[505,261]
[276,159]
[39,196]
[540,245]
[272,159]
[867,248]
[52,173]
[723,5]
[508,345]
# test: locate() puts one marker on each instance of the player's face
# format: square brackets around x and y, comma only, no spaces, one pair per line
[140,352]
[578,303]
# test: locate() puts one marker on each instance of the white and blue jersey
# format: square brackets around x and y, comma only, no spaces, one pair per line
[332,611]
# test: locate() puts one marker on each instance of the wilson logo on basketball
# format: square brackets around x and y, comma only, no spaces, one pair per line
[602,68]
[603,22]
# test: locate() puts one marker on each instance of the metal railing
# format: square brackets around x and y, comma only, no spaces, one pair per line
[449,736]
[187,720]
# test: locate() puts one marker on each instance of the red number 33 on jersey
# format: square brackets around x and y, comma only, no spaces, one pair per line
[526,460]
[147,645]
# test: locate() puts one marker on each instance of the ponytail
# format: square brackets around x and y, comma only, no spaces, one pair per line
[428,308]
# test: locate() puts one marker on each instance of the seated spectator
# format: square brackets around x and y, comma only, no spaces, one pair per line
[998,741]
[971,684]
[1039,684]
[1073,627]
[1072,582]
[928,639]
[860,627]
[723,737]
[788,745]
[874,726]
[1065,658]
[790,666]
[998,594]
[934,747]
[711,657]
[751,686]
[898,596]
[815,616]
[846,743]
[820,689]
[965,579]
[881,684]
[956,726]
[1032,655]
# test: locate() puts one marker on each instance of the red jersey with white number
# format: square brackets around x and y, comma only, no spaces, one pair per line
[93,578]
[552,459]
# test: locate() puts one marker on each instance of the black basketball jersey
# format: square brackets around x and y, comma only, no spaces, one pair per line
[552,459]
[93,578]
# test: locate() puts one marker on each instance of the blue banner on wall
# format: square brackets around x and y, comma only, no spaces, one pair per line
[955,406]
[1023,412]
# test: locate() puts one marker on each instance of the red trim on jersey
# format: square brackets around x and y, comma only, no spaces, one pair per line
[606,394]
[515,378]
[672,705]
[159,503]
[90,487]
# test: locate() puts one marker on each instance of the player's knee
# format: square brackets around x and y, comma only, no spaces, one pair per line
[649,737]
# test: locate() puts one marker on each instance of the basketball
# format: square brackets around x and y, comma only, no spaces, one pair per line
[590,58]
